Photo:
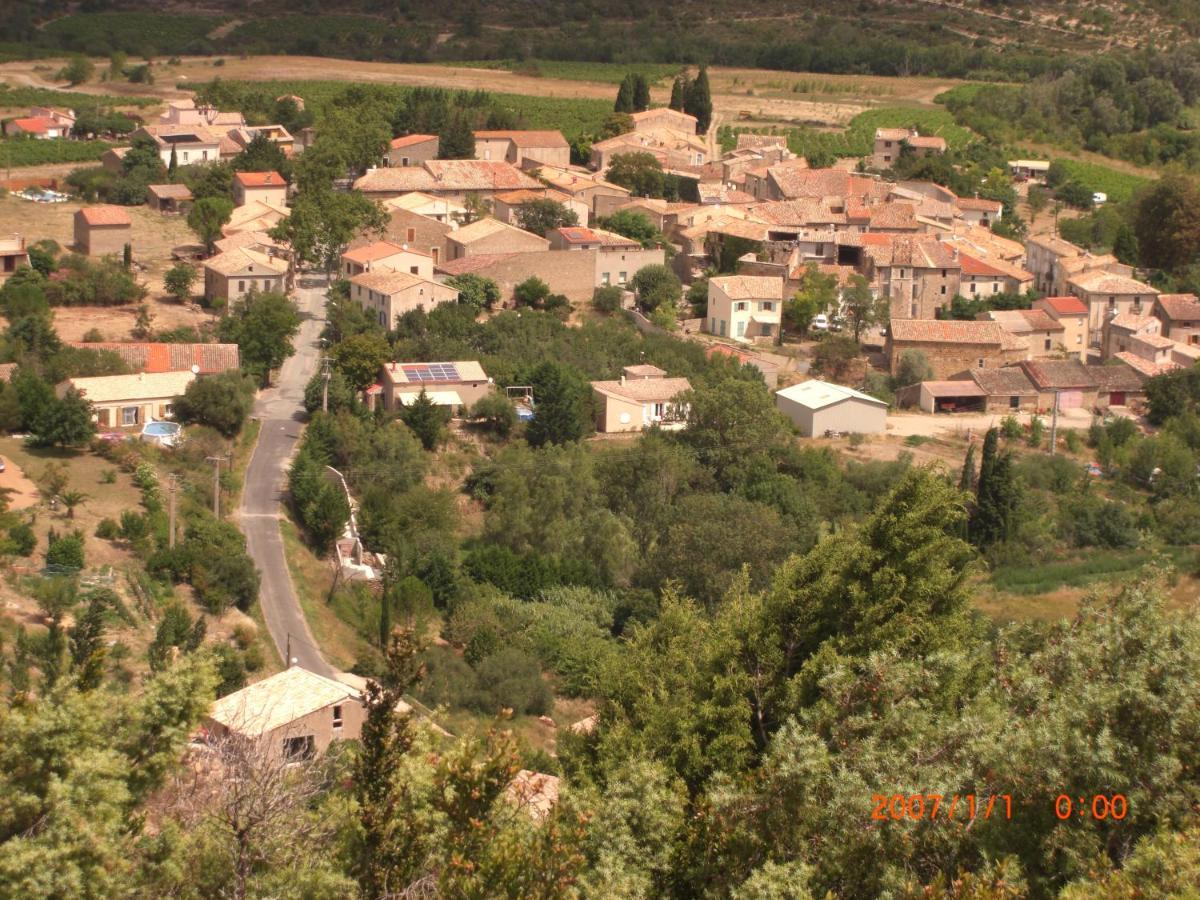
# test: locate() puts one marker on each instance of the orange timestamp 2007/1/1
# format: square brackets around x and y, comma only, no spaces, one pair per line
[944,807]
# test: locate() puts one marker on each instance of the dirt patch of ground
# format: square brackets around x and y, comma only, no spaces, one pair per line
[154,236]
[22,492]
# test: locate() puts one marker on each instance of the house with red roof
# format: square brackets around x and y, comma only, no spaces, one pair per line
[1072,314]
[412,149]
[38,127]
[101,230]
[387,256]
[262,187]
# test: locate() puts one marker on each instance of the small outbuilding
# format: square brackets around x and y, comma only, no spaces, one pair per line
[819,406]
[168,198]
[101,230]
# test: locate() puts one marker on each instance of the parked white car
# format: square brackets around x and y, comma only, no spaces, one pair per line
[820,322]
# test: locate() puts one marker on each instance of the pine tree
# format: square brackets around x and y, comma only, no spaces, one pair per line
[426,419]
[641,93]
[624,102]
[967,481]
[385,619]
[698,101]
[679,92]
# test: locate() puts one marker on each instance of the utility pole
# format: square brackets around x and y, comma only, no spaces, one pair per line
[171,512]
[216,461]
[1054,424]
[325,376]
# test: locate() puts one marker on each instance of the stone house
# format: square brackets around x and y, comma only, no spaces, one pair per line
[296,713]
[664,117]
[1007,389]
[1108,295]
[385,256]
[1072,314]
[13,255]
[918,275]
[457,385]
[890,142]
[389,295]
[168,199]
[1069,379]
[1043,332]
[979,279]
[102,230]
[417,232]
[231,275]
[265,187]
[1140,335]
[412,149]
[506,206]
[524,149]
[746,308]
[952,346]
[1180,317]
[978,211]
[130,401]
[643,397]
[488,236]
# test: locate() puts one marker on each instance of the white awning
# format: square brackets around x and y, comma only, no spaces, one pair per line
[440,398]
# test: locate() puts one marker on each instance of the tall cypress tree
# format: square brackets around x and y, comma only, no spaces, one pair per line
[173,164]
[679,93]
[624,102]
[698,102]
[641,92]
[996,496]
[966,481]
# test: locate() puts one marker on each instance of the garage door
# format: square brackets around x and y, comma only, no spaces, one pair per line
[1070,400]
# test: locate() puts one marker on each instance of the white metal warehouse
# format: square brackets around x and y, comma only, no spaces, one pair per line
[818,406]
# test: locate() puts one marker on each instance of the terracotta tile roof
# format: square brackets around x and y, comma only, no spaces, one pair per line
[927,142]
[486,227]
[35,124]
[894,215]
[1055,245]
[891,134]
[411,140]
[759,141]
[953,388]
[259,179]
[526,138]
[391,282]
[1120,377]
[516,198]
[1154,341]
[915,251]
[448,175]
[1007,381]
[378,250]
[244,259]
[1180,307]
[1024,321]
[980,204]
[1135,323]
[170,191]
[1107,283]
[1065,374]
[157,357]
[644,390]
[105,215]
[1067,306]
[252,239]
[1144,366]
[476,263]
[1087,262]
[577,235]
[973,266]
[947,331]
[749,287]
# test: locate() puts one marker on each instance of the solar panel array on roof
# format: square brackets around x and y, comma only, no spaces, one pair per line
[431,372]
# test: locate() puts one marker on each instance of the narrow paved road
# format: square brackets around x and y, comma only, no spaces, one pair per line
[281,412]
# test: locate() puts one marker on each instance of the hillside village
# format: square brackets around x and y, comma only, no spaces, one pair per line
[416,429]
